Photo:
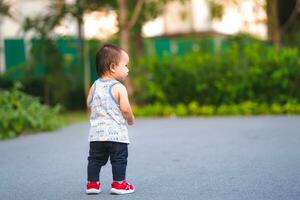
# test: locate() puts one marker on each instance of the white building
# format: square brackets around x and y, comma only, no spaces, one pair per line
[11,28]
[193,16]
[20,9]
[248,16]
[97,24]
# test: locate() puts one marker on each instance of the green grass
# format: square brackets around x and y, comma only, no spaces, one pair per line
[73,117]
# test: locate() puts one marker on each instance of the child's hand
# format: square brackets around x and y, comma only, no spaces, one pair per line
[121,95]
[130,122]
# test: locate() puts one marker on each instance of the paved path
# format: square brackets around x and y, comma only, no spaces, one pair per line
[247,158]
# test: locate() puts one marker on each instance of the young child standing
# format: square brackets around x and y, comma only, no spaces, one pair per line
[110,110]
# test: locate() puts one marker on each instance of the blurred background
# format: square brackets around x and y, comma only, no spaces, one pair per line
[188,57]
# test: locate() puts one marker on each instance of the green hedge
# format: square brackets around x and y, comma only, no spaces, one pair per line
[71,99]
[241,71]
[20,112]
[194,109]
[253,72]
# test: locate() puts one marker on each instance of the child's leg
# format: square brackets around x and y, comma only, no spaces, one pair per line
[98,156]
[118,157]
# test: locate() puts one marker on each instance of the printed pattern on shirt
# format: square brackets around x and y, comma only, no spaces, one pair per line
[107,121]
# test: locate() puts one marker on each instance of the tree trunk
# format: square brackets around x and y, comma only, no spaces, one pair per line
[124,32]
[124,36]
[81,49]
[139,44]
[273,24]
[1,49]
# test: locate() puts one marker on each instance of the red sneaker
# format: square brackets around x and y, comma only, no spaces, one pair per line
[93,187]
[121,188]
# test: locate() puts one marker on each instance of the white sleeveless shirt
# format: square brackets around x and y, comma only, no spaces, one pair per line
[107,121]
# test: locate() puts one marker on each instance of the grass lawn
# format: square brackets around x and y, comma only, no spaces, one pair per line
[73,117]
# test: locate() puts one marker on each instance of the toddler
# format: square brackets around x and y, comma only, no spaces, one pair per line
[110,110]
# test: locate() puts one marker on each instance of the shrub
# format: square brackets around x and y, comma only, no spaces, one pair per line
[20,112]
[255,72]
[244,108]
[71,99]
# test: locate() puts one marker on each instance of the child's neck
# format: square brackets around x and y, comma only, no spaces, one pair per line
[107,77]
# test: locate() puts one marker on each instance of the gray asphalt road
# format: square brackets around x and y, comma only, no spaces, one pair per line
[255,158]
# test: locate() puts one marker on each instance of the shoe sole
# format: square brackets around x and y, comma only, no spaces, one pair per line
[116,191]
[93,191]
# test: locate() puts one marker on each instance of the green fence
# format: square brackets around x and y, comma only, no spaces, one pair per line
[182,44]
[14,55]
[15,51]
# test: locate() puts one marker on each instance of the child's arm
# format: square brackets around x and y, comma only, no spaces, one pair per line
[89,98]
[122,97]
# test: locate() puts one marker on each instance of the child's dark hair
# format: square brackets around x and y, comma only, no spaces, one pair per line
[108,54]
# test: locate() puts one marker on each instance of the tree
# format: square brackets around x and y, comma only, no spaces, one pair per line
[273,25]
[283,17]
[289,21]
[45,53]
[77,11]
[125,27]
[283,21]
[4,12]
[132,14]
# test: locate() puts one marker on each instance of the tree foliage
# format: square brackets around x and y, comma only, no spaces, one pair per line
[5,9]
[44,52]
[245,71]
[20,112]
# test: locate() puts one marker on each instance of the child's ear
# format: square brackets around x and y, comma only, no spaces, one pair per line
[113,67]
